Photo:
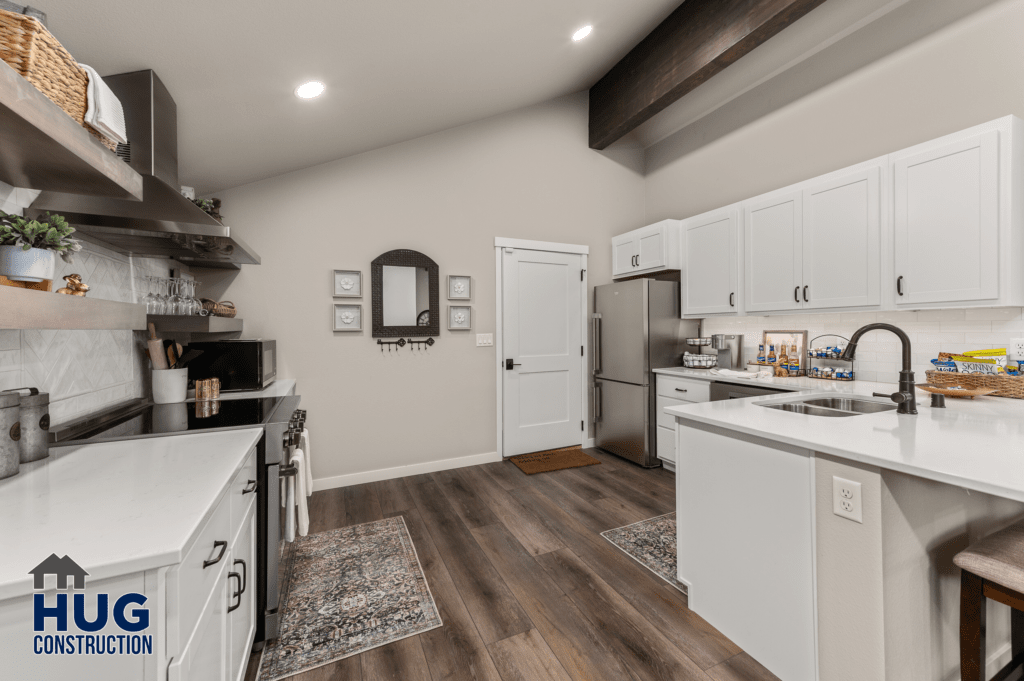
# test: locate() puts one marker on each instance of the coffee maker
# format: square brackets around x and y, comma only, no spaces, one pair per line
[729,348]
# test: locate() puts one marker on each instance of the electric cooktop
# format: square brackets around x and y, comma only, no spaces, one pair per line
[143,419]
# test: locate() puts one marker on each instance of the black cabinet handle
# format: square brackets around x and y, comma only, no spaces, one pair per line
[237,594]
[245,573]
[681,390]
[899,284]
[732,297]
[250,488]
[796,294]
[223,547]
[805,295]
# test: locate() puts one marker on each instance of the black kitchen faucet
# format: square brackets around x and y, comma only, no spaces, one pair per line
[904,399]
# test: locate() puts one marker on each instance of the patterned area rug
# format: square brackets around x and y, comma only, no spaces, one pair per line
[350,590]
[652,543]
[553,460]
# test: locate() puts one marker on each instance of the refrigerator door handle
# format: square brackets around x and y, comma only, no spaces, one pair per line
[598,403]
[597,344]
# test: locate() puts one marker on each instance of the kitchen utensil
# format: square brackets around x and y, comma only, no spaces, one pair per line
[35,423]
[173,351]
[10,433]
[170,385]
[156,349]
[186,358]
[953,391]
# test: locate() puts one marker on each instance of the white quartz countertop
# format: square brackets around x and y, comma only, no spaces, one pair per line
[115,507]
[976,444]
[279,388]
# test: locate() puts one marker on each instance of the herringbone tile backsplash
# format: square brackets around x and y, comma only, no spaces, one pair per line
[83,371]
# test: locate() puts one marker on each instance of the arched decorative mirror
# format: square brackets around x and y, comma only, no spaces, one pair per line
[405,295]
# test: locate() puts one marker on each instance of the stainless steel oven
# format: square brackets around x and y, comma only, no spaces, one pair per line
[243,364]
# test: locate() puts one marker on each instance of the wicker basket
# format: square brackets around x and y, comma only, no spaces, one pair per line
[1005,386]
[35,54]
[225,308]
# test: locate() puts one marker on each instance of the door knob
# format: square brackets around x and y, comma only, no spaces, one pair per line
[509,364]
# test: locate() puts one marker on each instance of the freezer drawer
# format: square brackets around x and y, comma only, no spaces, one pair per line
[623,421]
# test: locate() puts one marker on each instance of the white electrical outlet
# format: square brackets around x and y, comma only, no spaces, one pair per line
[484,340]
[846,500]
[1016,349]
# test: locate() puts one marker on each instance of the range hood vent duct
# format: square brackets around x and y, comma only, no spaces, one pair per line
[164,223]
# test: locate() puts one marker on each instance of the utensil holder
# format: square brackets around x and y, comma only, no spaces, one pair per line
[170,385]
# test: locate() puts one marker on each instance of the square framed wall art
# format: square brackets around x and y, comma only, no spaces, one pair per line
[460,317]
[348,317]
[348,284]
[460,287]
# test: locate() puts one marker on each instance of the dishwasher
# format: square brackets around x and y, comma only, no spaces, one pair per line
[731,391]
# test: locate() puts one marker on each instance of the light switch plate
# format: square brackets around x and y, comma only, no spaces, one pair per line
[846,499]
[484,340]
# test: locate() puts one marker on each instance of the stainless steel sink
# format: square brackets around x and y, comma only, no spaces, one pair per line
[849,404]
[798,408]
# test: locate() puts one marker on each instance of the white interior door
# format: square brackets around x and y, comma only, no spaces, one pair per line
[542,394]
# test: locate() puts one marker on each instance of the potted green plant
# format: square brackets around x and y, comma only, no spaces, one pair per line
[28,248]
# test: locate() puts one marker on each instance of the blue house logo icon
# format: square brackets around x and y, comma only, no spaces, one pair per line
[96,639]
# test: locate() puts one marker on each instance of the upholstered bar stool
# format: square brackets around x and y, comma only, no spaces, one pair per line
[992,569]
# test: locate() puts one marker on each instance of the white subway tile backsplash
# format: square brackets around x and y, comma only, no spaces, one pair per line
[992,314]
[941,315]
[974,326]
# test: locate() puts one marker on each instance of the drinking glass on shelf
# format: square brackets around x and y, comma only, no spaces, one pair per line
[152,300]
[163,293]
[176,302]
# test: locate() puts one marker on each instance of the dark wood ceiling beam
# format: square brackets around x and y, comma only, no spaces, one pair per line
[698,40]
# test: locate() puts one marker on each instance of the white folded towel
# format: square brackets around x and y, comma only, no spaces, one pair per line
[299,494]
[304,445]
[289,511]
[104,112]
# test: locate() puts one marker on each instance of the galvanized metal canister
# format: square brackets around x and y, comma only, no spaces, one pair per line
[10,434]
[35,423]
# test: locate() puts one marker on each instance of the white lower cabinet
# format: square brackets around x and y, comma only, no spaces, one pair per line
[669,392]
[242,619]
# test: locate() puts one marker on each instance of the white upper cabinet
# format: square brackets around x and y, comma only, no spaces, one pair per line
[710,245]
[773,247]
[648,249]
[842,241]
[947,221]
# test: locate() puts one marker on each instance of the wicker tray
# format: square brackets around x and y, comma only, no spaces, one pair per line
[35,54]
[1004,386]
[224,308]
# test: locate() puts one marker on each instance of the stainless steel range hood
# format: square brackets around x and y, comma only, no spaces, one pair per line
[164,223]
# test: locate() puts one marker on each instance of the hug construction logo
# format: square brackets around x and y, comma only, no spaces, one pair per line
[131,620]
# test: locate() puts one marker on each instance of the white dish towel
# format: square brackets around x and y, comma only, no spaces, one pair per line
[104,112]
[297,492]
[304,445]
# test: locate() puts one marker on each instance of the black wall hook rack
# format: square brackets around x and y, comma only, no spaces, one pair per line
[428,343]
[400,343]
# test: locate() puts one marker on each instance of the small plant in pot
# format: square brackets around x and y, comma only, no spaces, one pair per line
[28,248]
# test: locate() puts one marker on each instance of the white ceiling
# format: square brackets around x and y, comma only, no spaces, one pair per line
[394,69]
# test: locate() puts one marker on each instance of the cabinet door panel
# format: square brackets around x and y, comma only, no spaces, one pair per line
[842,242]
[947,222]
[709,274]
[205,655]
[242,620]
[773,252]
[624,248]
[651,249]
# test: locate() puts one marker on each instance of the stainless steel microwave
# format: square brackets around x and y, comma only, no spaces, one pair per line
[239,364]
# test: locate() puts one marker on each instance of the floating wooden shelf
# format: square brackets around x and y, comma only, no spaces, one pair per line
[41,147]
[170,323]
[27,309]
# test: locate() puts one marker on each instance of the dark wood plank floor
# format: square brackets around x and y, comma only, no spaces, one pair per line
[526,586]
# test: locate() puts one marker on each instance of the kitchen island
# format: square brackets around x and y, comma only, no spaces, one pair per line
[814,595]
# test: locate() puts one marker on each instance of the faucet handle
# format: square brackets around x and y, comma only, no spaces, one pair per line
[898,398]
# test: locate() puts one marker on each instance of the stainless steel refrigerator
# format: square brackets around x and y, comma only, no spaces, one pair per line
[636,329]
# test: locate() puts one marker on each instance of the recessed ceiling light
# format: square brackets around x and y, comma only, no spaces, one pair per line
[313,88]
[582,33]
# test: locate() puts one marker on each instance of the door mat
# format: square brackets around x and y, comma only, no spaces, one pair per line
[553,460]
[349,590]
[652,543]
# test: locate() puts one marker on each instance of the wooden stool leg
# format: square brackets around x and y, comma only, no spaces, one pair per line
[972,627]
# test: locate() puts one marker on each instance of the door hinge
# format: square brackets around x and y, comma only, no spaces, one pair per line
[582,272]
